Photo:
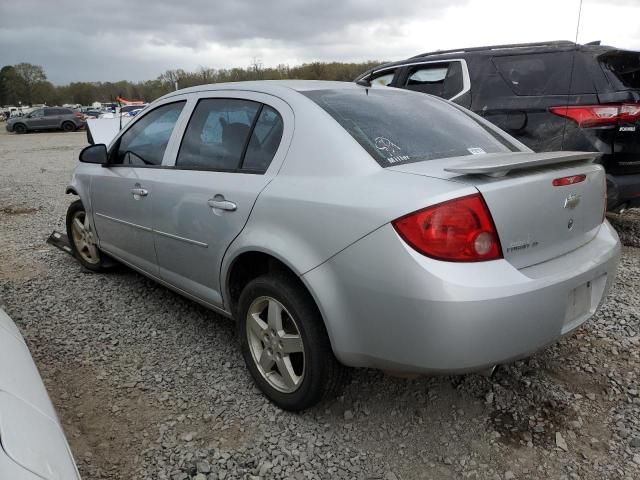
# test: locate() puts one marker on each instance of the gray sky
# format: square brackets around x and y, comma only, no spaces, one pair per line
[106,40]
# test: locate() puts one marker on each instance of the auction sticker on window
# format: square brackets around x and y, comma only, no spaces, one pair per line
[476,151]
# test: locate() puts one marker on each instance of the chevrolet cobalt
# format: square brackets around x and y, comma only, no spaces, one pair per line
[348,226]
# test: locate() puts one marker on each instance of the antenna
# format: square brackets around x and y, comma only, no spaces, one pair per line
[573,64]
[120,107]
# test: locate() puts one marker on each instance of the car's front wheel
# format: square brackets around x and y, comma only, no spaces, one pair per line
[285,345]
[82,239]
[20,128]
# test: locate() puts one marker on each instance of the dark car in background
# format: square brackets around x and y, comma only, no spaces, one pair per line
[47,118]
[551,96]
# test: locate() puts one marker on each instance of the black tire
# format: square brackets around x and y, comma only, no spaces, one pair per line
[20,128]
[323,375]
[69,127]
[102,262]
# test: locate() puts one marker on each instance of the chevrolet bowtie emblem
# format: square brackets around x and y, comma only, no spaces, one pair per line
[572,201]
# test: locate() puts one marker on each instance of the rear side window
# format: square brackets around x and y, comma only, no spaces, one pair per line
[217,134]
[145,142]
[50,112]
[398,127]
[539,74]
[440,79]
[264,141]
[622,69]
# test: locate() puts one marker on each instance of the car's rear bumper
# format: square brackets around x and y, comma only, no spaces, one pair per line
[623,190]
[386,306]
[33,445]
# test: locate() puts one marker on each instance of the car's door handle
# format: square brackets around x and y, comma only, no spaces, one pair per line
[222,204]
[139,192]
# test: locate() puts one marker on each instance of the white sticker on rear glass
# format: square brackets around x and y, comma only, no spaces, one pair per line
[476,151]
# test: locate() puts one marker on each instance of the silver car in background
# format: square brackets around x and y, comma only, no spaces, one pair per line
[342,225]
[32,443]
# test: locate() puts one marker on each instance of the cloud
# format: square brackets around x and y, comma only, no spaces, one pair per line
[136,40]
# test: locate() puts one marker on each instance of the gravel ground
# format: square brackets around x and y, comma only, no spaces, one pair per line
[149,385]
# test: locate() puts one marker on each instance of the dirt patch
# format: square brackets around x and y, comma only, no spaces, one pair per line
[15,210]
[13,270]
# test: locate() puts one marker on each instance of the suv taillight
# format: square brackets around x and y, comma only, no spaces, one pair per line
[599,115]
[459,230]
[78,115]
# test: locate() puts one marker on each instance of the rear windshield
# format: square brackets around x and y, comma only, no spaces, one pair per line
[622,69]
[400,127]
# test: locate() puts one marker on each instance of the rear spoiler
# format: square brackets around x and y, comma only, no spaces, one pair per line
[499,164]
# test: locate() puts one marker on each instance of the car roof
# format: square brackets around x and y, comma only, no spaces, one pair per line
[275,87]
[491,50]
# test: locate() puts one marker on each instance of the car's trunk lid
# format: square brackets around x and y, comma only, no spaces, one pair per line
[536,221]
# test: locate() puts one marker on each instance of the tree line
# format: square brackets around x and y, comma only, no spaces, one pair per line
[27,84]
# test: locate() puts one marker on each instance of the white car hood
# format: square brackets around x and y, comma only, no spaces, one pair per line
[30,434]
[103,130]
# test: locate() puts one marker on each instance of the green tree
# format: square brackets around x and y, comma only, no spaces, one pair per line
[8,83]
[28,77]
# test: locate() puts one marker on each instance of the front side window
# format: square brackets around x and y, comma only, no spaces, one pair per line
[145,142]
[217,134]
[384,79]
[37,113]
[441,79]
[399,127]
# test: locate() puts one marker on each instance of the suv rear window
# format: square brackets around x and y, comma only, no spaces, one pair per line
[538,74]
[622,69]
[398,127]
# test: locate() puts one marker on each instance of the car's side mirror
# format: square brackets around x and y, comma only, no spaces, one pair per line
[94,154]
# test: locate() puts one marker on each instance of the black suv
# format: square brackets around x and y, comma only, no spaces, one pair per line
[550,96]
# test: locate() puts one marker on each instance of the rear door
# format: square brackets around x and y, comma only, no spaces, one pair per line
[122,193]
[52,117]
[232,147]
[514,92]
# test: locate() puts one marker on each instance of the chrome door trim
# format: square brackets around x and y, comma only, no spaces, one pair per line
[124,222]
[466,79]
[182,239]
[147,229]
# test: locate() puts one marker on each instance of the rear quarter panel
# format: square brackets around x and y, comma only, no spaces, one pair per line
[328,194]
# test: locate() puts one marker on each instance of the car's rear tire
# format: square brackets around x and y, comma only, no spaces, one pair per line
[20,128]
[82,239]
[285,345]
[69,127]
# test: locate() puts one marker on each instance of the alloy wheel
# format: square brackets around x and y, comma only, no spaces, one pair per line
[275,344]
[83,238]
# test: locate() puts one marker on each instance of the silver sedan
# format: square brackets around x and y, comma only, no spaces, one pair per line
[343,225]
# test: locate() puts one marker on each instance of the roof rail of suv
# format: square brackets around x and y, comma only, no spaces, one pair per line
[555,43]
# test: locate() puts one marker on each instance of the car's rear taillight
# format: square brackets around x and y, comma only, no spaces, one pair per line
[599,115]
[459,230]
